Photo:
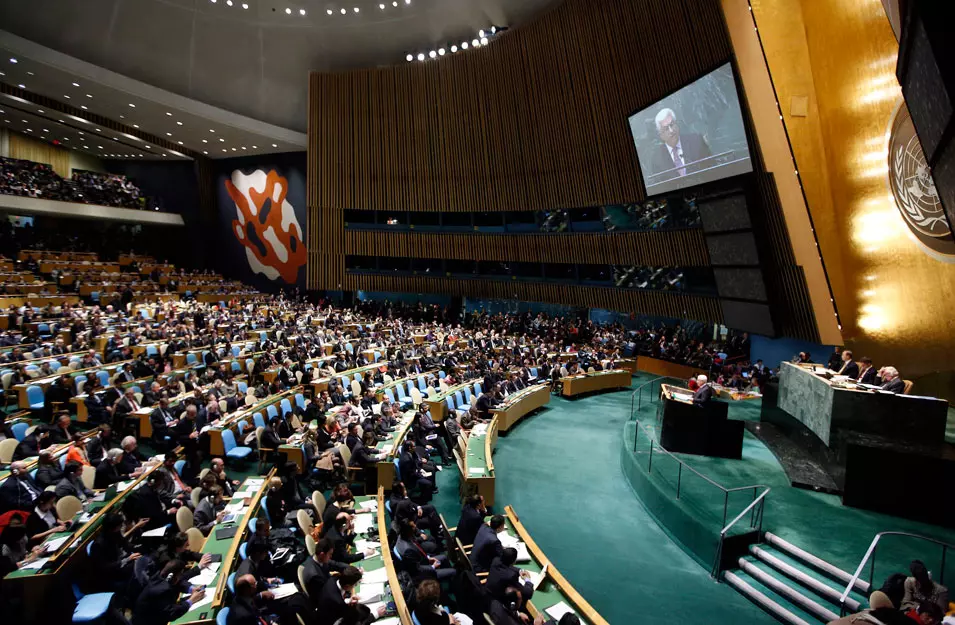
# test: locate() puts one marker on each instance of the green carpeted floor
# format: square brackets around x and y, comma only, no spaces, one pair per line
[560,470]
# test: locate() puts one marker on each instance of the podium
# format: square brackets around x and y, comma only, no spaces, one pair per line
[703,430]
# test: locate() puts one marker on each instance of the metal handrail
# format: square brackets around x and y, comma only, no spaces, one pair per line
[870,553]
[758,501]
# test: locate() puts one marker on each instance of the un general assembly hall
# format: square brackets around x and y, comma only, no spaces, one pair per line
[477,312]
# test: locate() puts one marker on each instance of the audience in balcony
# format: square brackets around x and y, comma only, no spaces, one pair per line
[38,180]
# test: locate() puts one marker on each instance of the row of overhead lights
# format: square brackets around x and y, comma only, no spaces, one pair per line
[244,5]
[381,7]
[123,117]
[482,39]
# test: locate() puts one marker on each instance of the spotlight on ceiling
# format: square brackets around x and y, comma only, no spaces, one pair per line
[288,11]
[245,6]
[13,60]
[410,57]
[432,54]
[464,45]
[481,33]
[454,49]
[440,51]
[483,41]
[357,9]
[76,84]
[301,11]
[420,56]
[275,145]
[475,43]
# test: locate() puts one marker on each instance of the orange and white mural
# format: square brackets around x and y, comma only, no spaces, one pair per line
[266,224]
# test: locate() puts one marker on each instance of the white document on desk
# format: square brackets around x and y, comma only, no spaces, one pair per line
[36,564]
[370,593]
[284,590]
[54,544]
[370,505]
[522,554]
[558,610]
[378,576]
[362,544]
[364,522]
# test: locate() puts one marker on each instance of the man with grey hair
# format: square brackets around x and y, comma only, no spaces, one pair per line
[132,463]
[108,471]
[704,393]
[677,152]
[891,380]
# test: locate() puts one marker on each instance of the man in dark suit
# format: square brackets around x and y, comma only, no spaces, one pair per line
[244,609]
[317,570]
[487,546]
[145,503]
[703,394]
[159,601]
[472,518]
[19,491]
[678,152]
[107,472]
[123,408]
[503,575]
[337,602]
[409,469]
[98,407]
[57,397]
[849,368]
[867,373]
[891,380]
[162,419]
[62,432]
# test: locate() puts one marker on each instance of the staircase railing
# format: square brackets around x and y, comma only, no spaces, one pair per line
[755,508]
[870,556]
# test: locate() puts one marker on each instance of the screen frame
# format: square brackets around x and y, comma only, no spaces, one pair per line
[743,107]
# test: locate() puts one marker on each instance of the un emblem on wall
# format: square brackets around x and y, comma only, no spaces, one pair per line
[914,190]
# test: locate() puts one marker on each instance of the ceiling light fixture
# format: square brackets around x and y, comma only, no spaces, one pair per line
[168,134]
[420,56]
[39,110]
[481,33]
[329,11]
[168,113]
[12,60]
[245,6]
[255,147]
[76,84]
[204,152]
[135,125]
[274,145]
[464,45]
[83,106]
[344,11]
[88,95]
[440,51]
[301,12]
[381,6]
[483,41]
[205,141]
[288,11]
[179,123]
[221,140]
[228,2]
[22,86]
[180,142]
[211,130]
[243,147]
[454,48]
[410,57]
[131,105]
[475,43]
[356,9]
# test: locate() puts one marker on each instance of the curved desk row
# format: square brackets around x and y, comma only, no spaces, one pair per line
[228,549]
[475,464]
[520,404]
[574,385]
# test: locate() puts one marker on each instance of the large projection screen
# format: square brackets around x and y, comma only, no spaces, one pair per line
[692,136]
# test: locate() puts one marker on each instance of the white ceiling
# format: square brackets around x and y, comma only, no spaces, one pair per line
[253,62]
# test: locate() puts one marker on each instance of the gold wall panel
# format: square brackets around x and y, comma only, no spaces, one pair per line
[894,299]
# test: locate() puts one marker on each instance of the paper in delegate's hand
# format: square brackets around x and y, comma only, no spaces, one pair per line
[284,590]
[209,596]
[558,610]
[537,579]
[156,533]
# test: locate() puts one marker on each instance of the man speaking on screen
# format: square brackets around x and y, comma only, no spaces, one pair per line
[678,152]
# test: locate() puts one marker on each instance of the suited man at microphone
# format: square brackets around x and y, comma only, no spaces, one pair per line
[677,152]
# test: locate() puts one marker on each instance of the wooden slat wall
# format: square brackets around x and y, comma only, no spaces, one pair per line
[679,248]
[536,120]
